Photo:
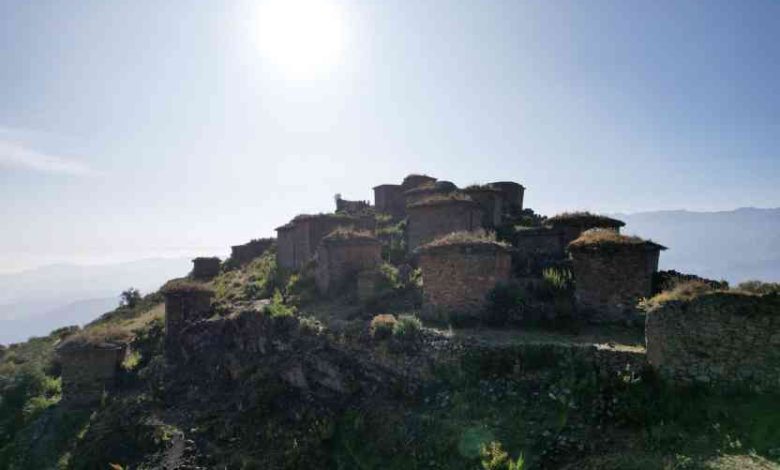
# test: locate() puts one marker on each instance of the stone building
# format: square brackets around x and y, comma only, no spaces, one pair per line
[718,337]
[459,271]
[205,268]
[88,369]
[512,194]
[185,303]
[612,272]
[351,207]
[573,224]
[537,248]
[243,254]
[491,201]
[341,255]
[413,181]
[389,199]
[439,215]
[297,241]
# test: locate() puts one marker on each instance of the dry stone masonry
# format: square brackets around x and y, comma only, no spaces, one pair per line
[342,255]
[243,254]
[612,273]
[185,303]
[723,337]
[88,370]
[438,216]
[205,268]
[458,275]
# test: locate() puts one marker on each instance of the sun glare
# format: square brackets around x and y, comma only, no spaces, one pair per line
[304,38]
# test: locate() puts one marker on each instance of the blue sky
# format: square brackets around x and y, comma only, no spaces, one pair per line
[133,129]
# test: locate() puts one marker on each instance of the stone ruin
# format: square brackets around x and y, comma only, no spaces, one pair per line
[612,273]
[437,216]
[351,207]
[342,255]
[243,254]
[389,199]
[459,272]
[721,337]
[185,303]
[512,194]
[89,369]
[206,268]
[491,201]
[297,240]
[428,189]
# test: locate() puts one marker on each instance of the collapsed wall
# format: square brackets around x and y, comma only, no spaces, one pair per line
[612,273]
[458,275]
[721,337]
[342,255]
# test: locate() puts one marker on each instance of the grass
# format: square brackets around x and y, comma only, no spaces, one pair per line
[602,238]
[477,237]
[584,218]
[692,289]
[346,233]
[442,199]
[102,336]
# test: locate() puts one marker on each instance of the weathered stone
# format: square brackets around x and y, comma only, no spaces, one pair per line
[512,194]
[389,199]
[184,305]
[88,371]
[721,337]
[340,258]
[242,254]
[205,268]
[429,220]
[491,201]
[458,276]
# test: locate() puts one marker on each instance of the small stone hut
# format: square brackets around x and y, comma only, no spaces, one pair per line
[243,254]
[573,224]
[491,201]
[341,255]
[612,272]
[185,303]
[512,194]
[440,215]
[205,268]
[718,337]
[89,367]
[351,207]
[414,181]
[297,241]
[459,271]
[389,199]
[537,248]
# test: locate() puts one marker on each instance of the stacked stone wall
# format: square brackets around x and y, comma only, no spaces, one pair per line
[610,282]
[428,222]
[205,268]
[491,202]
[297,241]
[182,308]
[536,249]
[88,371]
[457,278]
[285,247]
[242,254]
[389,199]
[512,194]
[725,338]
[340,261]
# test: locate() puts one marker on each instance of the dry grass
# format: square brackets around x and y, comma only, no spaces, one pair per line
[584,218]
[346,233]
[477,237]
[185,285]
[601,238]
[681,292]
[104,336]
[442,198]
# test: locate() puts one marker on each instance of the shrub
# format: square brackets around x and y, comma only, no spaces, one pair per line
[301,288]
[129,298]
[382,326]
[277,307]
[407,327]
[684,291]
[759,287]
[494,457]
[504,303]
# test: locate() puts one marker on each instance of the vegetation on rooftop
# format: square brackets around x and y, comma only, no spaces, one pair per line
[103,336]
[442,198]
[692,289]
[185,285]
[603,238]
[348,233]
[584,218]
[476,237]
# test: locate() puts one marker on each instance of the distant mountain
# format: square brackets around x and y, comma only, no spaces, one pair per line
[37,301]
[733,245]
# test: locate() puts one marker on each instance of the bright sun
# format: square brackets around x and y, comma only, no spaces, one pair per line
[304,38]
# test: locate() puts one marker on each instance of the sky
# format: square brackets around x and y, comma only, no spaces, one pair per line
[147,128]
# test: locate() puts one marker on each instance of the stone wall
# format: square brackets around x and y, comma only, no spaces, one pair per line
[351,207]
[242,254]
[298,240]
[428,189]
[609,281]
[512,194]
[414,181]
[458,276]
[430,221]
[490,201]
[389,199]
[723,337]
[205,268]
[184,306]
[536,249]
[87,371]
[339,261]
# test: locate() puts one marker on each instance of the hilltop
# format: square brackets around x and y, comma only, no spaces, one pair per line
[438,327]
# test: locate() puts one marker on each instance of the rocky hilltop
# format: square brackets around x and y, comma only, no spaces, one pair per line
[439,327]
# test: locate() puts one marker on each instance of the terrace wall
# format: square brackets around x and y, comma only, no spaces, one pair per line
[725,338]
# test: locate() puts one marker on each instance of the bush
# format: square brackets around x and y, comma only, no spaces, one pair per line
[504,303]
[688,290]
[277,307]
[759,287]
[382,326]
[407,327]
[129,298]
